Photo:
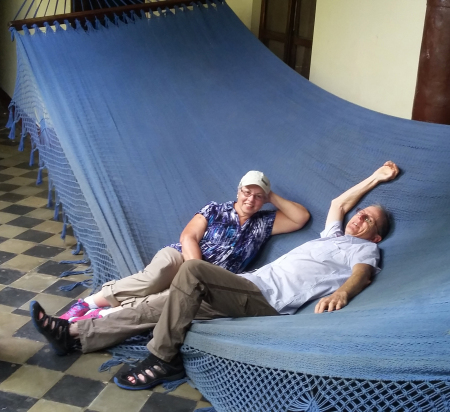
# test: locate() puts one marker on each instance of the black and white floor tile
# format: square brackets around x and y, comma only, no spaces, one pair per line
[32,377]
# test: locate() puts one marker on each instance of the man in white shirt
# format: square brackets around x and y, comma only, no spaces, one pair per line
[340,264]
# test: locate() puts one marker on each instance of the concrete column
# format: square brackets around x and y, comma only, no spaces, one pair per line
[432,96]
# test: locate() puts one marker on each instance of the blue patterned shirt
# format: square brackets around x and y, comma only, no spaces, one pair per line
[228,244]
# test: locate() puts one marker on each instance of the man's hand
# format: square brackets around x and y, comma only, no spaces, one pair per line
[345,202]
[359,279]
[335,301]
[388,171]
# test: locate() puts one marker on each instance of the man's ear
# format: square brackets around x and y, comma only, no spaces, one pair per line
[377,238]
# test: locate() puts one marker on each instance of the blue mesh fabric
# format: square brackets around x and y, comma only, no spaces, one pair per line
[155,116]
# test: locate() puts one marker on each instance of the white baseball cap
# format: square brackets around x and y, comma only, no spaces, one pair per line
[253,177]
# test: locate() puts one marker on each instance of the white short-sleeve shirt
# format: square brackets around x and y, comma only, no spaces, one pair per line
[314,269]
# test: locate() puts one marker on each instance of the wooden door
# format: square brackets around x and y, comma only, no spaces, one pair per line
[287,28]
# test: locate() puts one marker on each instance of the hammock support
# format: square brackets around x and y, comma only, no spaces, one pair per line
[143,120]
[92,15]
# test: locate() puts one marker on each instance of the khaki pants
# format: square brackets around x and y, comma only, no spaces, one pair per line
[200,290]
[198,282]
[155,278]
[96,334]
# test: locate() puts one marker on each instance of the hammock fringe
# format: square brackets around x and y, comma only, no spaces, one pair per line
[11,117]
[12,131]
[67,288]
[78,248]
[171,386]
[75,262]
[50,194]
[57,207]
[34,148]
[39,176]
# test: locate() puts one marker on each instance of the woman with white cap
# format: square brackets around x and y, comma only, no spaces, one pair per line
[226,234]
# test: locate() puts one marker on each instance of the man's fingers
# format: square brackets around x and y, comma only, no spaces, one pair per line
[321,305]
[330,304]
[317,308]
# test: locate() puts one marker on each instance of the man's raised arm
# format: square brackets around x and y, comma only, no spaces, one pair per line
[345,202]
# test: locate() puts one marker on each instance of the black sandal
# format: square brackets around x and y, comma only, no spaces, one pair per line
[162,372]
[55,330]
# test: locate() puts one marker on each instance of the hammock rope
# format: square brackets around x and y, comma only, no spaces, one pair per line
[143,120]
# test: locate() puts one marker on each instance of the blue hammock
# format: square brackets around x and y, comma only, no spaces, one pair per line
[144,119]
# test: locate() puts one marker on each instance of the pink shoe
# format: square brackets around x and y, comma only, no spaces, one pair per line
[92,314]
[76,310]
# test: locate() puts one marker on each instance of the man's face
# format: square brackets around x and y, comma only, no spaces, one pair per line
[364,224]
[251,198]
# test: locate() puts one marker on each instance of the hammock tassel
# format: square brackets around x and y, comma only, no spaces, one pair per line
[11,117]
[12,131]
[48,28]
[34,148]
[106,366]
[39,176]
[56,214]
[13,33]
[64,229]
[58,27]
[50,197]
[78,25]
[31,162]
[65,223]
[90,27]
[126,18]
[68,25]
[98,24]
[37,30]
[67,288]
[71,273]
[171,386]
[77,249]
[87,272]
[22,140]
[74,262]
[108,23]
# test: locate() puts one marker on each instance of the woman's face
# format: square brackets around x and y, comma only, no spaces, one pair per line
[250,199]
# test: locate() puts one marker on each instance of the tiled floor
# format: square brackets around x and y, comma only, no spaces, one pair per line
[32,377]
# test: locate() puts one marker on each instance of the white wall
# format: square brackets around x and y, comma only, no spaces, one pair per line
[243,9]
[367,51]
[8,63]
[8,9]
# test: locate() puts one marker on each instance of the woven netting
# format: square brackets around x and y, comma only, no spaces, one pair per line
[236,386]
[156,115]
[29,108]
